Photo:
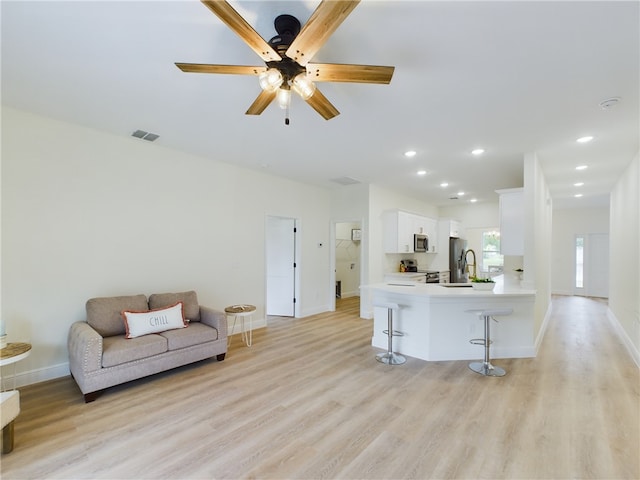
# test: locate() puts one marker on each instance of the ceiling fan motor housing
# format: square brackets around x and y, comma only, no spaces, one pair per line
[288,28]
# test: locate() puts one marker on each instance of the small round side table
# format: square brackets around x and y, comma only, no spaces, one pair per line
[13,353]
[242,311]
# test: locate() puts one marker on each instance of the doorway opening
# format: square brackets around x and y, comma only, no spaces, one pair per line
[346,265]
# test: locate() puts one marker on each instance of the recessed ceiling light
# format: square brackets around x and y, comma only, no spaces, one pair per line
[444,184]
[460,194]
[473,200]
[582,167]
[477,151]
[578,184]
[422,172]
[578,195]
[410,153]
[586,139]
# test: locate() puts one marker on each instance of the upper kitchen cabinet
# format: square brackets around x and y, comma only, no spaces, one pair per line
[400,227]
[453,227]
[431,229]
[511,221]
[398,231]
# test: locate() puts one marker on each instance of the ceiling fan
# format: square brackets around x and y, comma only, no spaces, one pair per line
[287,57]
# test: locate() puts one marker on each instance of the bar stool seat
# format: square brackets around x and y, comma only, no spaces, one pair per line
[485,367]
[388,357]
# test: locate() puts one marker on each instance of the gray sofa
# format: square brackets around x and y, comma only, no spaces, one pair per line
[100,356]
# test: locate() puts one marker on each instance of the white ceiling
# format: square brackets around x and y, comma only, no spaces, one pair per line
[511,77]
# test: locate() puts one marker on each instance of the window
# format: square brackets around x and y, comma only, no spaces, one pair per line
[492,260]
[579,262]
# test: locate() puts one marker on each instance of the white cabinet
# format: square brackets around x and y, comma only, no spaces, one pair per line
[455,229]
[444,276]
[431,229]
[398,231]
[511,221]
[399,228]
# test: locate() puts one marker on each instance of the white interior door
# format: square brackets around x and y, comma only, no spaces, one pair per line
[280,255]
[597,265]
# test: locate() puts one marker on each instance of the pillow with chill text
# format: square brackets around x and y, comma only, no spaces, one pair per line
[137,324]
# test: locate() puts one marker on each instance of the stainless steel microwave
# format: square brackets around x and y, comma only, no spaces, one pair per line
[420,243]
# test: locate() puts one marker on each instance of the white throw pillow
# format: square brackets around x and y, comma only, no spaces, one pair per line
[153,321]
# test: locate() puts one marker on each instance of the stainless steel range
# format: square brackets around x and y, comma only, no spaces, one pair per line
[411,265]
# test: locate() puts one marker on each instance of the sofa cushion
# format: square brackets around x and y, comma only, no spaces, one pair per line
[117,350]
[196,334]
[10,403]
[105,314]
[189,300]
[154,321]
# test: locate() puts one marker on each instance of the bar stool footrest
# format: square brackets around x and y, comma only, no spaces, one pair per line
[395,333]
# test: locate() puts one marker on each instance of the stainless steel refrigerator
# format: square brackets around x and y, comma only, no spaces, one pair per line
[458,260]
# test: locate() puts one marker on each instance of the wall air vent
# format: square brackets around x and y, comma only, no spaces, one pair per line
[345,181]
[145,135]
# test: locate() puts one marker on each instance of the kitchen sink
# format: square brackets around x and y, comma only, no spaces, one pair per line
[456,285]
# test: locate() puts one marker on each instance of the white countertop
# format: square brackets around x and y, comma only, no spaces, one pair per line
[441,290]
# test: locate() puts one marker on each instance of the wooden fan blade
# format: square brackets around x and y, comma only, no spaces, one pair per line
[239,25]
[322,105]
[210,68]
[322,23]
[261,102]
[335,72]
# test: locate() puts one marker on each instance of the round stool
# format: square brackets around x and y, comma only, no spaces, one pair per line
[242,311]
[389,357]
[485,368]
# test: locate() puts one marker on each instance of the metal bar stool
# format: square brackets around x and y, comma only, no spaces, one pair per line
[389,357]
[485,367]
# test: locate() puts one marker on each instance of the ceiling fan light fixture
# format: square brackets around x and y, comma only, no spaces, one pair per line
[270,80]
[284,98]
[303,86]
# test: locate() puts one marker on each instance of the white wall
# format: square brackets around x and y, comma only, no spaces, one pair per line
[537,240]
[88,214]
[624,286]
[474,215]
[567,223]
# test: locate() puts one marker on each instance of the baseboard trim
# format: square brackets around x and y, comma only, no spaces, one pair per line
[255,323]
[543,329]
[350,294]
[622,334]
[22,379]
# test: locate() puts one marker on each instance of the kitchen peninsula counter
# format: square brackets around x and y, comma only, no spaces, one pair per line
[437,326]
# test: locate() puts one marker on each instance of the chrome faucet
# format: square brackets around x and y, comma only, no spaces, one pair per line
[475,273]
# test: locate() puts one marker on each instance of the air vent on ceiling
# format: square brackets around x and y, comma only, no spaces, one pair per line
[145,135]
[345,180]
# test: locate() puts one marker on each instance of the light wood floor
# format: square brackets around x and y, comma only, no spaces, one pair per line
[308,400]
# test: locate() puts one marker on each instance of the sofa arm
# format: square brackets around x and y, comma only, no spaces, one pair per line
[85,348]
[215,319]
